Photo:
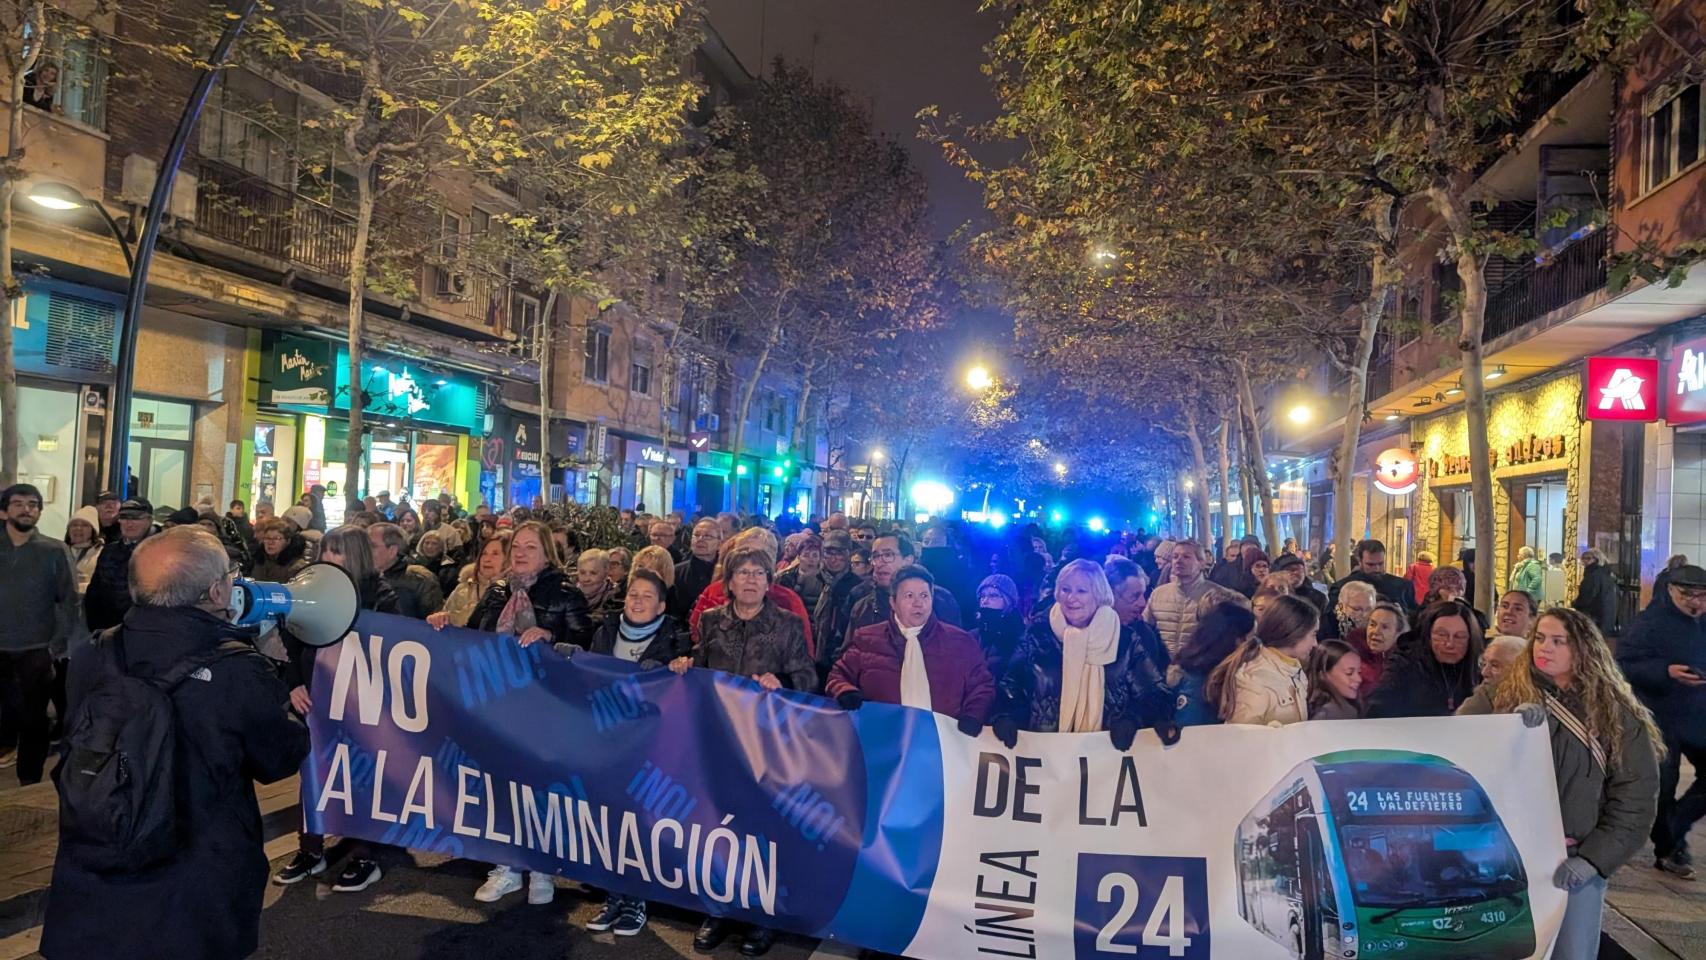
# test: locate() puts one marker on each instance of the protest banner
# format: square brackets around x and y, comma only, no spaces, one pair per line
[888,828]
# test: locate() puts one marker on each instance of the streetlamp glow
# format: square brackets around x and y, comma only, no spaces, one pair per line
[978,378]
[56,196]
[876,455]
[1301,414]
[1060,468]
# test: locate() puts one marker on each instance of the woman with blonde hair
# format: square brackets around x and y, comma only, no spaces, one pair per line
[1605,755]
[1264,681]
[657,560]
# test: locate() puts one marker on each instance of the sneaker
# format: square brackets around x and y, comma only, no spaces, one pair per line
[633,918]
[500,883]
[357,876]
[1675,867]
[301,867]
[607,916]
[541,888]
[8,758]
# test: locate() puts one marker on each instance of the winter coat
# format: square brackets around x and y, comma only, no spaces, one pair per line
[1530,577]
[371,594]
[773,641]
[1395,590]
[1606,812]
[448,570]
[1271,689]
[960,684]
[1030,692]
[1418,575]
[108,595]
[558,606]
[715,596]
[1172,611]
[810,589]
[287,564]
[874,607]
[1417,685]
[1191,707]
[1336,707]
[999,633]
[1232,575]
[1660,636]
[1373,664]
[670,640]
[233,728]
[952,574]
[465,597]
[1598,597]
[417,590]
[692,576]
[829,619]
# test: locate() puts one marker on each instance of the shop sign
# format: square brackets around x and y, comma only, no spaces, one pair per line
[404,390]
[1396,471]
[300,371]
[1686,397]
[1622,388]
[699,441]
[1533,449]
[651,454]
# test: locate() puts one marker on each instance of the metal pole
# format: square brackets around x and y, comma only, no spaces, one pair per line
[118,465]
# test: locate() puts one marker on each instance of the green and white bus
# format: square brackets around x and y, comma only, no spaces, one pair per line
[1383,853]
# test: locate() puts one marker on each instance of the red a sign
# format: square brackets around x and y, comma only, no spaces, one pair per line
[1622,388]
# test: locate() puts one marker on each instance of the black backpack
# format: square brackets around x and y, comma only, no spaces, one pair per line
[118,808]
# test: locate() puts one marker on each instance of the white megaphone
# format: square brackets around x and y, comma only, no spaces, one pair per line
[318,605]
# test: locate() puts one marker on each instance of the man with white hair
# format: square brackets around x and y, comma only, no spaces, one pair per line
[230,724]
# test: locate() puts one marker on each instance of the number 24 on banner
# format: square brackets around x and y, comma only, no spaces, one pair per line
[1143,907]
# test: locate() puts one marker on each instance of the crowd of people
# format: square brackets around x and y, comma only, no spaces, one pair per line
[1117,634]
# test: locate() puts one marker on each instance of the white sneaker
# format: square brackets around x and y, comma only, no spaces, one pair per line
[541,888]
[500,882]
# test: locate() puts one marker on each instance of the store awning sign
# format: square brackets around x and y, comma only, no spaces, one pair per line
[1622,388]
[1685,400]
[1396,471]
[301,371]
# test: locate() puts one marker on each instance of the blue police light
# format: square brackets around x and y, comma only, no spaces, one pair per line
[1153,518]
[1056,518]
[997,519]
[1097,525]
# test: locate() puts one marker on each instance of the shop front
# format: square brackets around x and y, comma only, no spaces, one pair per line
[511,473]
[647,468]
[711,469]
[418,423]
[1536,441]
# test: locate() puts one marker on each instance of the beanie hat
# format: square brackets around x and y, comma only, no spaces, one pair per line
[299,515]
[1004,585]
[89,516]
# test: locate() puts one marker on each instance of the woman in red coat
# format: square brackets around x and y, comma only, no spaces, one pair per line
[916,660]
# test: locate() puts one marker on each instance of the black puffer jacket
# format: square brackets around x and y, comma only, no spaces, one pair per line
[1030,691]
[418,592]
[108,596]
[1417,685]
[287,564]
[558,606]
[670,641]
[372,594]
[999,633]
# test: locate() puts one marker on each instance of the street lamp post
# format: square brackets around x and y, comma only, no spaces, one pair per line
[118,465]
[60,197]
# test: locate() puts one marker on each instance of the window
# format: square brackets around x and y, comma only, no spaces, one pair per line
[640,375]
[1672,136]
[524,322]
[70,79]
[240,128]
[597,355]
[450,237]
[1410,318]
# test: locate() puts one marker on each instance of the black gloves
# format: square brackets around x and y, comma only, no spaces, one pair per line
[971,726]
[851,700]
[651,664]
[1169,734]
[1006,731]
[568,650]
[1122,732]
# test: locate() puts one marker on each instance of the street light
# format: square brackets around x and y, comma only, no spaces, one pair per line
[876,454]
[1059,468]
[978,378]
[1301,414]
[61,197]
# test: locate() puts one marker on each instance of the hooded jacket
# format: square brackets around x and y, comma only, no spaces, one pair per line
[233,727]
[1606,812]
[960,684]
[1030,692]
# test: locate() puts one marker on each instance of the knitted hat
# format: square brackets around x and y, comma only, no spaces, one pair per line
[89,516]
[1004,585]
[299,515]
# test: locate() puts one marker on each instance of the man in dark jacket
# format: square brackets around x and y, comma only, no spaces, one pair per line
[834,605]
[1370,558]
[1598,594]
[418,591]
[1664,656]
[695,573]
[108,595]
[889,554]
[39,594]
[234,727]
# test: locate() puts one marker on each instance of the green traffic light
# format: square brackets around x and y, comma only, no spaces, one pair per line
[777,471]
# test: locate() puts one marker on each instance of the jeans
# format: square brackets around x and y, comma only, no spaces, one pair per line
[1677,815]
[1578,938]
[26,683]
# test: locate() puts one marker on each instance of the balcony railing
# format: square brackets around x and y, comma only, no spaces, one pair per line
[239,207]
[1538,289]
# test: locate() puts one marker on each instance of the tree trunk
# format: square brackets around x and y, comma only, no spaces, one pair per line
[1270,523]
[797,436]
[1381,286]
[1225,486]
[357,294]
[1245,499]
[1472,321]
[10,290]
[746,395]
[543,345]
[1199,474]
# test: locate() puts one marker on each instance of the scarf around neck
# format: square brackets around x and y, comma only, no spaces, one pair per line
[638,633]
[914,679]
[1084,652]
[517,614]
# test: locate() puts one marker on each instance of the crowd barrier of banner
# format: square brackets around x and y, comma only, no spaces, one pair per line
[890,829]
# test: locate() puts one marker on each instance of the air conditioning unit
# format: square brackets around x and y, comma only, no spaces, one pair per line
[138,186]
[454,286]
[710,422]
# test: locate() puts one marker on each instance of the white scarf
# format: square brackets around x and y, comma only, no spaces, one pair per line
[1084,652]
[914,680]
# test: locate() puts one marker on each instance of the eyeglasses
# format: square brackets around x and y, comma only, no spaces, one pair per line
[886,555]
[750,573]
[834,552]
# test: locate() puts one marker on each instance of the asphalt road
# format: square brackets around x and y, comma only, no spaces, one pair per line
[424,908]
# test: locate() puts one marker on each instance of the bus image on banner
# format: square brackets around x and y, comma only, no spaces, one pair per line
[1383,853]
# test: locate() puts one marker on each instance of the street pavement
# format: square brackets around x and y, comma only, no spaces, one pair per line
[425,908]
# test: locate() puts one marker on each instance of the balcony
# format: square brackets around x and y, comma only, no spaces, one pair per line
[1540,288]
[240,208]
